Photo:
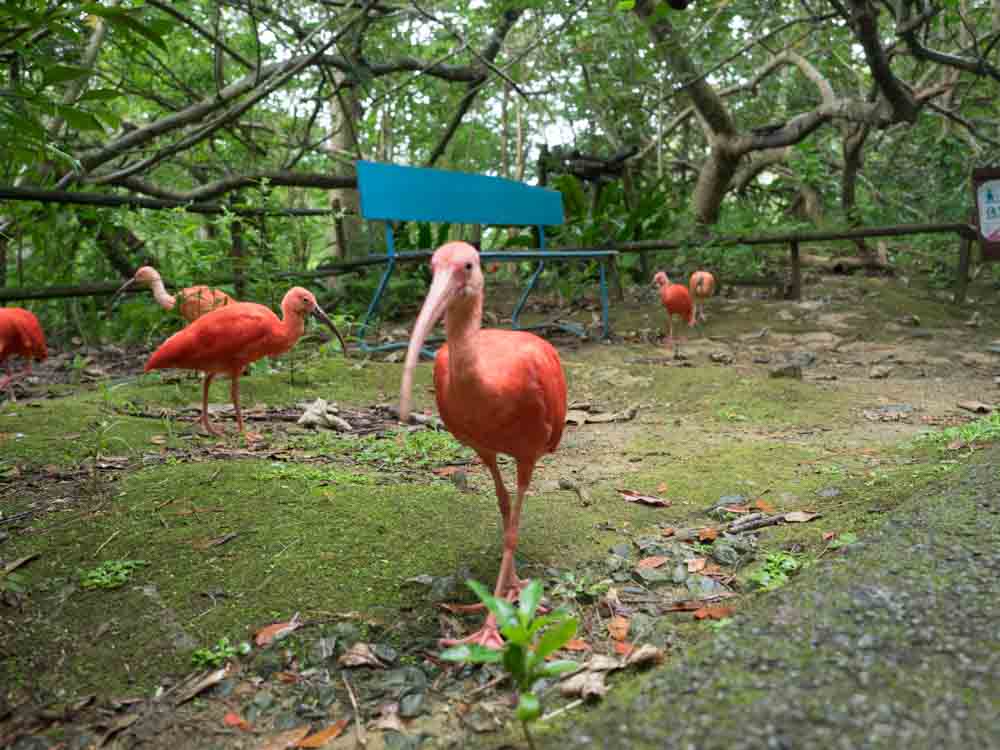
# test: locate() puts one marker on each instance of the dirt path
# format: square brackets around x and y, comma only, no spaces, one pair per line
[362,534]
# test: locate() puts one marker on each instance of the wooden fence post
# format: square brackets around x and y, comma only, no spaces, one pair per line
[964,261]
[795,292]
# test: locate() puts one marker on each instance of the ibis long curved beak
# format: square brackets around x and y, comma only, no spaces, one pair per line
[440,294]
[120,292]
[318,313]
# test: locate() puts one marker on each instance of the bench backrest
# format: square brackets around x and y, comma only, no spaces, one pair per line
[394,193]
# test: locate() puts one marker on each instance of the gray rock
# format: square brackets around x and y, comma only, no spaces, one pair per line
[786,370]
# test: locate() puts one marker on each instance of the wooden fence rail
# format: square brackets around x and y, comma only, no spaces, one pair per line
[966,232]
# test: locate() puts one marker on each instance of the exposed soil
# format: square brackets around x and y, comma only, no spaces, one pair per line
[363,533]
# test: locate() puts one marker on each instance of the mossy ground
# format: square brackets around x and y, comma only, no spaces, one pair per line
[328,525]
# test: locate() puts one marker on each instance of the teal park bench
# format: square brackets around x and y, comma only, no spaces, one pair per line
[394,193]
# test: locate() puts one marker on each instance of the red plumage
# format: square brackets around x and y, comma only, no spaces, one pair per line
[497,391]
[677,301]
[20,334]
[224,341]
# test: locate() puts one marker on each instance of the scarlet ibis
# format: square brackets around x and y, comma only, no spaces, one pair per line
[497,391]
[676,301]
[702,287]
[21,334]
[226,340]
[195,301]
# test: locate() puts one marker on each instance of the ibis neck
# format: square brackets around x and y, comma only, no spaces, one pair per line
[164,300]
[293,325]
[462,322]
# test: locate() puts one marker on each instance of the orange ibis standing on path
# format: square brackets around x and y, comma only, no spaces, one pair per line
[192,302]
[702,287]
[676,301]
[226,340]
[497,391]
[21,334]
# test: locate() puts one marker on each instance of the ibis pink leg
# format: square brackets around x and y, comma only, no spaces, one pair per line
[209,428]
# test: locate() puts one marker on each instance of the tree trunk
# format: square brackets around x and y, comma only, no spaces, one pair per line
[345,112]
[713,183]
[237,252]
[853,150]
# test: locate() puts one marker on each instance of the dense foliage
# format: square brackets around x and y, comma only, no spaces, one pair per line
[743,116]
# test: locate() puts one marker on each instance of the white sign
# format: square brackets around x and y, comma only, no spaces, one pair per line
[988,199]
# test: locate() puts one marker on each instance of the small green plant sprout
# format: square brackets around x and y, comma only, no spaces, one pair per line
[843,540]
[223,651]
[776,571]
[110,574]
[528,640]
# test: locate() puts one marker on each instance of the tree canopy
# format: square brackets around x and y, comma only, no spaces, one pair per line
[730,114]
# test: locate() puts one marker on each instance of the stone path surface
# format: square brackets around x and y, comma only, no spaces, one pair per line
[892,643]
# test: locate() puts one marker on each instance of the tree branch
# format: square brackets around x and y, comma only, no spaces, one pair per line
[492,49]
[285,178]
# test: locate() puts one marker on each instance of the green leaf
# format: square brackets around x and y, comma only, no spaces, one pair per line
[78,118]
[100,95]
[126,21]
[556,637]
[528,707]
[500,608]
[514,657]
[61,73]
[626,4]
[472,653]
[531,596]
[556,668]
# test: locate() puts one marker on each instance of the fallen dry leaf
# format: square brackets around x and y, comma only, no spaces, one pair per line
[800,516]
[618,627]
[324,735]
[763,505]
[200,685]
[284,740]
[696,563]
[713,570]
[158,440]
[15,564]
[447,471]
[708,534]
[713,613]
[359,655]
[576,644]
[389,719]
[652,562]
[828,535]
[624,648]
[645,655]
[631,496]
[233,719]
[584,684]
[217,541]
[669,531]
[289,678]
[975,406]
[266,635]
[662,487]
[736,508]
[685,606]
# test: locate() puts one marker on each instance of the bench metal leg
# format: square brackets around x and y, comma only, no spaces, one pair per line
[373,309]
[524,297]
[604,302]
[373,305]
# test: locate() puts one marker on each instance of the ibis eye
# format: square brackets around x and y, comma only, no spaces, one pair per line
[468,266]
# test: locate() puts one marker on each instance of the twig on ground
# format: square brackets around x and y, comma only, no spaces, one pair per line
[491,684]
[106,542]
[568,707]
[751,523]
[359,726]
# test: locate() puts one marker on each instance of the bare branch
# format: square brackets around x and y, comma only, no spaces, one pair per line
[169,9]
[225,185]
